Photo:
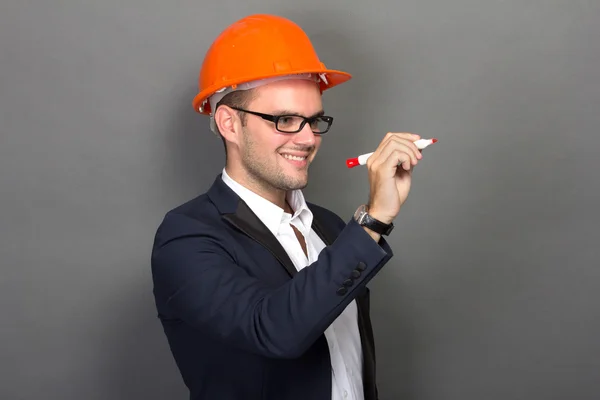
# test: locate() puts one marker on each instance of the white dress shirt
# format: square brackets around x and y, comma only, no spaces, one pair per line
[342,335]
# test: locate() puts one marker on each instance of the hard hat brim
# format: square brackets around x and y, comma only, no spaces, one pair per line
[333,77]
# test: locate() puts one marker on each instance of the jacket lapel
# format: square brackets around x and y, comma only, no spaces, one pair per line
[246,221]
[235,211]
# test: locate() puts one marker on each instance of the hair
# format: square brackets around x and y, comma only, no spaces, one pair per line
[238,99]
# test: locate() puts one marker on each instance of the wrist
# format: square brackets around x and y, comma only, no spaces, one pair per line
[379,216]
[372,223]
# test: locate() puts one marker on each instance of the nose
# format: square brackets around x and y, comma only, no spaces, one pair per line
[305,137]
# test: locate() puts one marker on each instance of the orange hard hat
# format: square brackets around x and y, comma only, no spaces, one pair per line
[259,47]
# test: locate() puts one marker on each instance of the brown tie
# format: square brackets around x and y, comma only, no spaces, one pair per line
[290,210]
[300,239]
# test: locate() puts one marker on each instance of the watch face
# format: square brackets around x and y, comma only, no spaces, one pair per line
[362,217]
[360,214]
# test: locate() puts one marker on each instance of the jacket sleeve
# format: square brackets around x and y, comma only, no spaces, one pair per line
[201,284]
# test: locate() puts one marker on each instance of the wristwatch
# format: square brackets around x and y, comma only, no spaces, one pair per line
[364,219]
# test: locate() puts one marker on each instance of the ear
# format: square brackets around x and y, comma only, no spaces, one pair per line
[228,123]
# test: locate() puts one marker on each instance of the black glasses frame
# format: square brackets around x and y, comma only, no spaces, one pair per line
[275,120]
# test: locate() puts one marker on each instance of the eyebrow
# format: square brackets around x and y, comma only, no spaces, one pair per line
[290,112]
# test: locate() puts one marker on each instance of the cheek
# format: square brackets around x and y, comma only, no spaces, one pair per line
[318,140]
[264,140]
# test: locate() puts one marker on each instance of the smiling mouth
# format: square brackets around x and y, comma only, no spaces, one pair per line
[294,158]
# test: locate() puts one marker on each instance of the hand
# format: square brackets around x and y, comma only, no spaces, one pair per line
[390,169]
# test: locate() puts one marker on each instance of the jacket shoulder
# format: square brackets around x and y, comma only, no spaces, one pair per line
[197,215]
[325,214]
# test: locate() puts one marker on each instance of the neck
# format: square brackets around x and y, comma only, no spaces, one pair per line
[275,196]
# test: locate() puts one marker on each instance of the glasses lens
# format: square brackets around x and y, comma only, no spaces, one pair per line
[319,125]
[289,123]
[292,123]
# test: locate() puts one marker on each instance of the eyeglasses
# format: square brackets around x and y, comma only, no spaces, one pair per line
[290,123]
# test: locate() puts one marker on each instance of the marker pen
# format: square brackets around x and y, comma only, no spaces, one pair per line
[362,159]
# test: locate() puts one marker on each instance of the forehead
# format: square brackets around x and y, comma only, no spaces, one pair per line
[291,94]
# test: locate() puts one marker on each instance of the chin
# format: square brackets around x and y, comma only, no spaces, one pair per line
[293,182]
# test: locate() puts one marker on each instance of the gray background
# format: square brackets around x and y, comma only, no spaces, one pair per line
[494,290]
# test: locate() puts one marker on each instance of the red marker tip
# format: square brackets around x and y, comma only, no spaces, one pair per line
[352,162]
[433,140]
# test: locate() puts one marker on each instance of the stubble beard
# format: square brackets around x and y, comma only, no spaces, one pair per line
[268,176]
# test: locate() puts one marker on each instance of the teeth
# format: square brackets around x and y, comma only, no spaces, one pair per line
[290,157]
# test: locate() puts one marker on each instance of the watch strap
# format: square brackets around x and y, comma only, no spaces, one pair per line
[377,226]
[364,219]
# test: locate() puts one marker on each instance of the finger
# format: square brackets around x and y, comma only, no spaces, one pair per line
[400,145]
[386,160]
[403,137]
[398,158]
[412,137]
[410,146]
[384,149]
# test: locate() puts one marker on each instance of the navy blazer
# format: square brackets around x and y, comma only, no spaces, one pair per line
[241,321]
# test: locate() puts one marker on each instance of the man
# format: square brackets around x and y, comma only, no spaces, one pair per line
[262,295]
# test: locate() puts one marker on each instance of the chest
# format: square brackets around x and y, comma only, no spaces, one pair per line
[302,246]
[274,258]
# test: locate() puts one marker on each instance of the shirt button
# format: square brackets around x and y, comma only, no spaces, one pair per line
[345,393]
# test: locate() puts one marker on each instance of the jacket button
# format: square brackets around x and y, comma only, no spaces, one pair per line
[348,282]
[355,274]
[361,266]
[342,291]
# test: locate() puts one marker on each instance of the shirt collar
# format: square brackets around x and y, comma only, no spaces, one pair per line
[270,214]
